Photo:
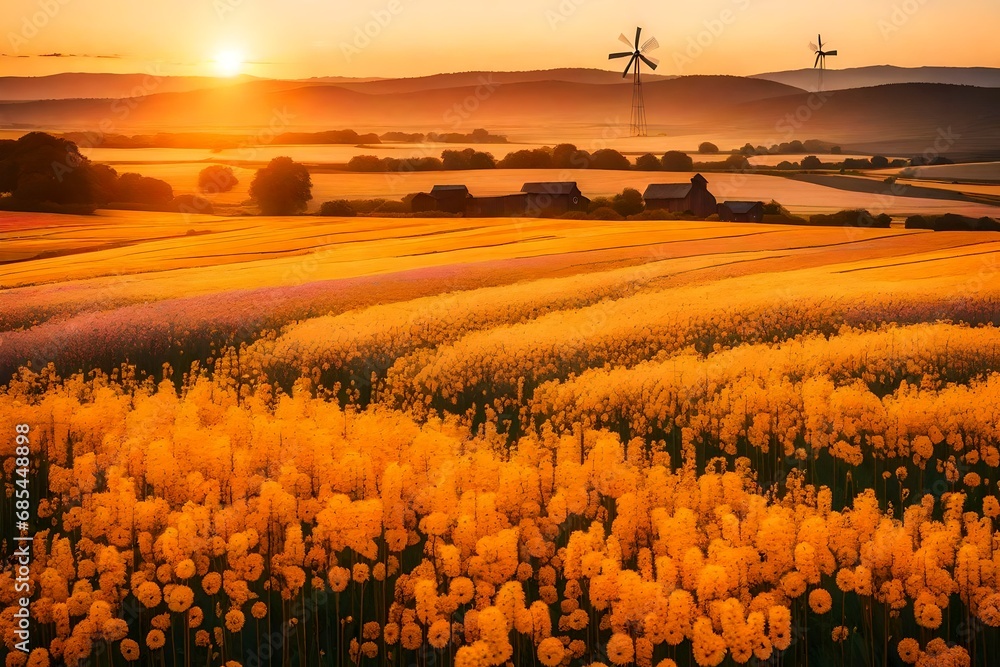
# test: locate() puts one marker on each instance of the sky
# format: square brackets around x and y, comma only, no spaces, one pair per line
[392,38]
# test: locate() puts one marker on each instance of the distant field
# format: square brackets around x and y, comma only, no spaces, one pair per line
[800,197]
[979,171]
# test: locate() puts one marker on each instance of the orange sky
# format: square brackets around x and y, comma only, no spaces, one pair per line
[302,38]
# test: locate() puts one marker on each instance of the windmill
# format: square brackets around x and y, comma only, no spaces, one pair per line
[821,58]
[637,125]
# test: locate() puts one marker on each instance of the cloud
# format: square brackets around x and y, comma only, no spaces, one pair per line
[61,55]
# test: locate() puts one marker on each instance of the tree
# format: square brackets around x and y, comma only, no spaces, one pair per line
[283,187]
[676,161]
[880,162]
[138,189]
[481,160]
[708,147]
[39,167]
[647,162]
[811,162]
[365,163]
[217,178]
[608,158]
[628,202]
[527,159]
[453,160]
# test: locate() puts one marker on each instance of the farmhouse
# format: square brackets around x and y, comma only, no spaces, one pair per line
[741,211]
[553,197]
[682,197]
[447,198]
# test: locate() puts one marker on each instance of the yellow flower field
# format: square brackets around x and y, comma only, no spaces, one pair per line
[298,441]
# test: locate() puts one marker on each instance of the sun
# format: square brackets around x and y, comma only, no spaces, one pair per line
[228,62]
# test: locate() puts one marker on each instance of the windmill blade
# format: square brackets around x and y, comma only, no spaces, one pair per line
[638,31]
[652,62]
[629,66]
[650,45]
[620,54]
[813,47]
[820,37]
[624,40]
[819,56]
[831,53]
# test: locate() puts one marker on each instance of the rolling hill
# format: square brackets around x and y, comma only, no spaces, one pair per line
[898,118]
[878,75]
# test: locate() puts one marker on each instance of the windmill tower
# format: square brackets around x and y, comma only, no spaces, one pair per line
[637,123]
[820,59]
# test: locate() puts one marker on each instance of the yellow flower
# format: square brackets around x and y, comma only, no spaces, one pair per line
[155,639]
[129,649]
[148,594]
[620,649]
[234,620]
[211,583]
[909,650]
[820,601]
[439,633]
[180,599]
[185,569]
[339,577]
[550,652]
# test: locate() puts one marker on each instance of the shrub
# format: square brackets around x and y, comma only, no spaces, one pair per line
[812,162]
[138,189]
[654,214]
[217,178]
[628,202]
[606,213]
[599,202]
[852,218]
[707,147]
[338,208]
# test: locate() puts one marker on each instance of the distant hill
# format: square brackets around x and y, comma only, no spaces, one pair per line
[75,85]
[866,77]
[899,119]
[80,85]
[497,106]
[461,79]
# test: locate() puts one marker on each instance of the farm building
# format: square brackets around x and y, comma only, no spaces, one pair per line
[554,197]
[682,197]
[447,198]
[741,211]
[503,206]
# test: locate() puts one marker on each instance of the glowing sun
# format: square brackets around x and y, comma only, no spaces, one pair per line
[228,62]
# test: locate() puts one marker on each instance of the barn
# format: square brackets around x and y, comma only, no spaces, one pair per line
[741,211]
[503,206]
[682,197]
[554,197]
[447,198]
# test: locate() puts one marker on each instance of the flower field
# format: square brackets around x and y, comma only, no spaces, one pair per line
[656,444]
